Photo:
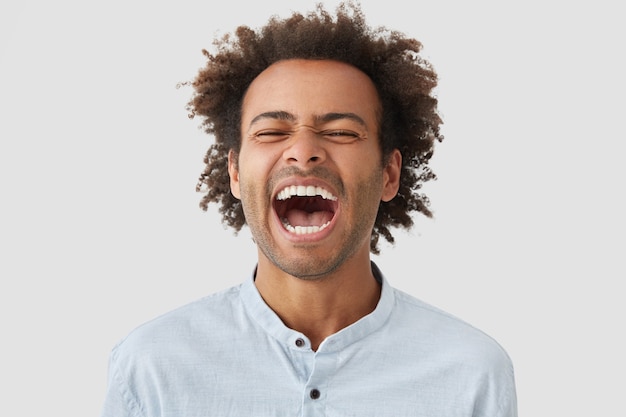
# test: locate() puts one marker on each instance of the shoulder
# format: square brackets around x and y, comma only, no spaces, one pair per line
[423,323]
[455,350]
[205,318]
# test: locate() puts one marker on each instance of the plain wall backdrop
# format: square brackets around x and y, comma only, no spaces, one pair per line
[100,228]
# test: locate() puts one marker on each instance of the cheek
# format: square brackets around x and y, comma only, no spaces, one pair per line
[369,185]
[253,184]
[251,202]
[256,165]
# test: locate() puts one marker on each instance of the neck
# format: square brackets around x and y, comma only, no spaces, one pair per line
[321,307]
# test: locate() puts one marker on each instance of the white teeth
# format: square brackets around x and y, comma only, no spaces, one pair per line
[303,230]
[302,190]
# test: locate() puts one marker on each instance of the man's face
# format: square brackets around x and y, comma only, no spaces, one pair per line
[309,171]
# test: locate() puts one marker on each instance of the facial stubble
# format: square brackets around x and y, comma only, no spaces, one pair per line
[300,262]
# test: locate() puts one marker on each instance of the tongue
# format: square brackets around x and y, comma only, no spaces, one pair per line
[297,217]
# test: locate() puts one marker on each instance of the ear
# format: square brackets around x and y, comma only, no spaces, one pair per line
[391,176]
[233,172]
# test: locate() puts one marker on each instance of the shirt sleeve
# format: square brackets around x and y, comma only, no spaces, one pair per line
[508,407]
[116,404]
[506,402]
[496,393]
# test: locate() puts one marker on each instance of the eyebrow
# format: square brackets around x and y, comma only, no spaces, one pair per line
[277,115]
[323,118]
[329,117]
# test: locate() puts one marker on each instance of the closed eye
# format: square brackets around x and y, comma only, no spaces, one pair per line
[340,135]
[271,135]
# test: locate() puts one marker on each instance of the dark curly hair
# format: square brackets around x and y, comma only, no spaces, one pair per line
[404,81]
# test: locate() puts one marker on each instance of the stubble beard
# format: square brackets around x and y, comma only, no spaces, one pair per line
[301,264]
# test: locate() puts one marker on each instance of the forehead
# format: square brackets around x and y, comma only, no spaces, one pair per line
[307,88]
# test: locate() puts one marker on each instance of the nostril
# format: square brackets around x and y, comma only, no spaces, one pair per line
[302,153]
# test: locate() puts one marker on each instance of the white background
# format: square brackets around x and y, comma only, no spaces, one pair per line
[100,228]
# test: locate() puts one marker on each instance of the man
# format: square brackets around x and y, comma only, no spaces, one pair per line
[324,129]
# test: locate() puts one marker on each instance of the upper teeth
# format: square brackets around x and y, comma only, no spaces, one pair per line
[304,190]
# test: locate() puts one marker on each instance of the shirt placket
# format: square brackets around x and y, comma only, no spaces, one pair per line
[315,392]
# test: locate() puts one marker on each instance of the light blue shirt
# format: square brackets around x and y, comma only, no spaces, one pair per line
[229,354]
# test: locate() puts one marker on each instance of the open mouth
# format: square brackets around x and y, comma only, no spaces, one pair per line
[305,209]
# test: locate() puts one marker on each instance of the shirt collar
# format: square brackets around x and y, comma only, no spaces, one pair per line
[273,325]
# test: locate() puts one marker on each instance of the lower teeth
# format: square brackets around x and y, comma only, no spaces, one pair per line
[303,230]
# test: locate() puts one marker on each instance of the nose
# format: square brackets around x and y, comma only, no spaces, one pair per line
[305,149]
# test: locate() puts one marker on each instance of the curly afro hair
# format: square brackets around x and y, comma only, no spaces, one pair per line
[404,80]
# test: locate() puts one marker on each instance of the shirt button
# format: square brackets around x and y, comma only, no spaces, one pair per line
[299,342]
[314,394]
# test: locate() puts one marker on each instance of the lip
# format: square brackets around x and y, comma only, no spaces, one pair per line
[309,237]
